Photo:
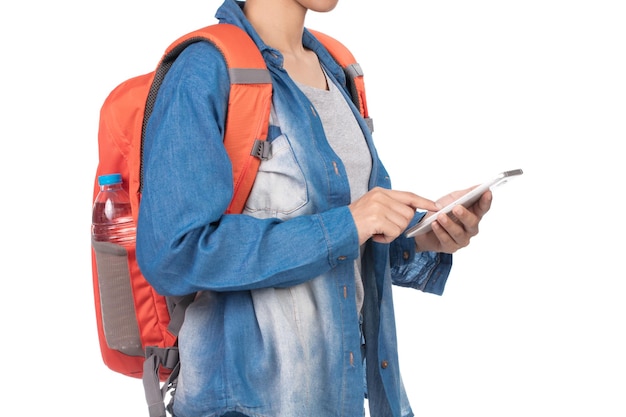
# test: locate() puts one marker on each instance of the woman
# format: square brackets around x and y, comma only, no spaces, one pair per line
[294,315]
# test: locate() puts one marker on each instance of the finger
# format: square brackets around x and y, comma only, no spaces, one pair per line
[398,207]
[413,200]
[446,243]
[484,204]
[381,238]
[461,228]
[468,223]
[393,223]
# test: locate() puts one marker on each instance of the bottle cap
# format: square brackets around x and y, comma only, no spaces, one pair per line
[109,179]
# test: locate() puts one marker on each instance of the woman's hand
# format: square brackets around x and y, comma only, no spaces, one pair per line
[449,235]
[384,214]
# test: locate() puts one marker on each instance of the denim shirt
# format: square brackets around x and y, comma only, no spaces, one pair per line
[274,331]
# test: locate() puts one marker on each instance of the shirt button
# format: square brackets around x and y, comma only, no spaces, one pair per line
[406,255]
[342,258]
[384,364]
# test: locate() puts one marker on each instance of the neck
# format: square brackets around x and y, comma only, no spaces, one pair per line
[280,23]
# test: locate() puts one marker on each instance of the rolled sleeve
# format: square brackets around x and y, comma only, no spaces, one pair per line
[425,271]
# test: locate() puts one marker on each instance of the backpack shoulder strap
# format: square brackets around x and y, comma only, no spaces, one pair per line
[250,94]
[352,69]
[245,140]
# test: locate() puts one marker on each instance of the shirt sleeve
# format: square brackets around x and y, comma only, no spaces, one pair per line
[185,242]
[425,271]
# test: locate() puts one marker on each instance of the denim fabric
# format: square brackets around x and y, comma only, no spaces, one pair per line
[274,331]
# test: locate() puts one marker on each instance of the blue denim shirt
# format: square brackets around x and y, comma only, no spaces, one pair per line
[274,331]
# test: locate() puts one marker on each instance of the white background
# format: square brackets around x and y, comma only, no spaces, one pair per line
[532,320]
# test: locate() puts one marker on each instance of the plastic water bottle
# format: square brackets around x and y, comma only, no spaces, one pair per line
[112,219]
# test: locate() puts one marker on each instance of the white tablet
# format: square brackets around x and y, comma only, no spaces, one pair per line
[424,226]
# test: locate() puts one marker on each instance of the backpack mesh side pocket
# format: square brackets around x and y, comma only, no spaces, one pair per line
[116,301]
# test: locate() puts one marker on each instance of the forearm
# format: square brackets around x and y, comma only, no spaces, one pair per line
[241,252]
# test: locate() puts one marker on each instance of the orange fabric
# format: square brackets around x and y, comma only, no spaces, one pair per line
[120,140]
[240,124]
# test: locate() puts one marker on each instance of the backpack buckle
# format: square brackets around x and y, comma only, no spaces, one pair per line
[261,149]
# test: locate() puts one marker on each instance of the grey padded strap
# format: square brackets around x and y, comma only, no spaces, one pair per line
[177,307]
[155,394]
[249,76]
[354,70]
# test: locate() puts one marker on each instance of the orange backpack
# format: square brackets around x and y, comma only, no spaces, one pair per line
[137,327]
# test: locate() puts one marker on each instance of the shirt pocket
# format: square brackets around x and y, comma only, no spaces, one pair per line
[280,187]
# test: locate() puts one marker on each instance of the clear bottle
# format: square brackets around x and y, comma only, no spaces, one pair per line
[112,219]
